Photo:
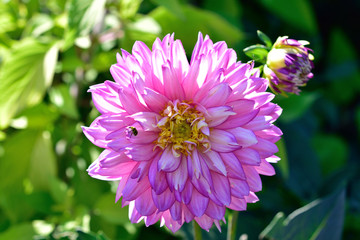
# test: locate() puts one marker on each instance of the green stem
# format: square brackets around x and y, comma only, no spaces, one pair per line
[232,224]
[197,231]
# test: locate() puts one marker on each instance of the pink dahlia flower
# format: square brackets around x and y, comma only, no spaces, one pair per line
[186,141]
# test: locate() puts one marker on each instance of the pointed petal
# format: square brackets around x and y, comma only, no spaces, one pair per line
[198,203]
[168,162]
[223,141]
[144,204]
[163,201]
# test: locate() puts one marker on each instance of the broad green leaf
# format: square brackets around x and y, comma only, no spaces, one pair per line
[257,53]
[83,15]
[42,162]
[129,8]
[231,10]
[332,152]
[61,97]
[38,25]
[24,77]
[298,13]
[41,116]
[295,106]
[171,5]
[196,20]
[27,154]
[24,231]
[7,20]
[320,219]
[111,211]
[342,68]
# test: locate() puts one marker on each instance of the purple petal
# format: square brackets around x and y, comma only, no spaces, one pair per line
[244,137]
[168,162]
[223,141]
[239,188]
[144,204]
[198,203]
[214,162]
[217,96]
[221,188]
[140,152]
[157,179]
[233,166]
[214,211]
[177,178]
[163,201]
[253,178]
[248,156]
[133,189]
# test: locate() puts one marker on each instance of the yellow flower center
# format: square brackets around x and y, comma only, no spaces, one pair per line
[183,128]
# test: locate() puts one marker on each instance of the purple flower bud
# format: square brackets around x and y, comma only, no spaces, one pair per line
[288,65]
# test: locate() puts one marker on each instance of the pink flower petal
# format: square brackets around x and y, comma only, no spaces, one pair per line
[198,203]
[233,166]
[223,141]
[215,211]
[248,156]
[144,204]
[164,200]
[253,178]
[157,178]
[217,96]
[177,178]
[244,137]
[168,162]
[239,188]
[221,188]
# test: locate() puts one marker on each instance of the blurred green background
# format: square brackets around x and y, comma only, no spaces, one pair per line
[52,51]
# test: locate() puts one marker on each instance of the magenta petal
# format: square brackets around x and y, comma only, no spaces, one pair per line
[198,203]
[237,204]
[244,137]
[186,194]
[193,164]
[140,152]
[214,162]
[214,211]
[265,168]
[239,188]
[218,115]
[217,96]
[223,141]
[204,222]
[233,166]
[133,189]
[168,162]
[176,211]
[144,204]
[222,188]
[177,178]
[265,148]
[157,178]
[248,156]
[253,178]
[154,100]
[148,120]
[163,201]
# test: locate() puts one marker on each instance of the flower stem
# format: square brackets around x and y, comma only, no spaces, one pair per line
[197,231]
[233,217]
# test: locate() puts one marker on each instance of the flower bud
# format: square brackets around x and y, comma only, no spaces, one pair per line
[288,65]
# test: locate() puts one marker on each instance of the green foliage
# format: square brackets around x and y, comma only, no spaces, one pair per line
[51,51]
[25,76]
[320,219]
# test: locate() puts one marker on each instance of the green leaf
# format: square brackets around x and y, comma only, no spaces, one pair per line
[257,53]
[298,13]
[42,162]
[60,96]
[83,15]
[38,25]
[173,6]
[332,152]
[295,106]
[229,9]
[263,37]
[320,219]
[129,8]
[32,150]
[7,20]
[25,76]
[111,211]
[342,68]
[24,231]
[196,20]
